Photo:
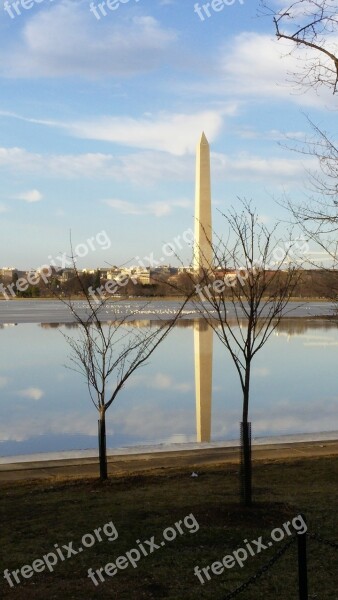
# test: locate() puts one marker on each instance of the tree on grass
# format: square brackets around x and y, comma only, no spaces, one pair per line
[106,349]
[243,295]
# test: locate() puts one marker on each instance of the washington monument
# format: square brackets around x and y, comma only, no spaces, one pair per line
[203,335]
[203,231]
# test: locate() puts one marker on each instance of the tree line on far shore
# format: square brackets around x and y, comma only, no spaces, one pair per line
[311,283]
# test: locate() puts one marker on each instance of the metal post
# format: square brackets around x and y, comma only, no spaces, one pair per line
[245,467]
[302,565]
[102,449]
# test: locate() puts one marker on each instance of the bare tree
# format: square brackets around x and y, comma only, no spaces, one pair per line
[243,295]
[317,214]
[311,26]
[106,349]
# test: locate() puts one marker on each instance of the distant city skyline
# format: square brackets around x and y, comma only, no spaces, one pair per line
[99,128]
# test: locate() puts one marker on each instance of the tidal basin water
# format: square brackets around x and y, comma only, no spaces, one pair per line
[45,407]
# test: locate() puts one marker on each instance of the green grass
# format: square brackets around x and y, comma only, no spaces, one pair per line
[35,516]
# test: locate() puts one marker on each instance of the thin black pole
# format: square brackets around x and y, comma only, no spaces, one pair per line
[245,467]
[302,565]
[102,448]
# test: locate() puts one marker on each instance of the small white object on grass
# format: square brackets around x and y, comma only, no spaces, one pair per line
[193,474]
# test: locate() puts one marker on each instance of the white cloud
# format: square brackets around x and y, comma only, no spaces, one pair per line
[262,168]
[67,165]
[30,196]
[259,66]
[169,132]
[183,388]
[147,168]
[285,418]
[158,209]
[176,133]
[3,208]
[3,381]
[264,219]
[250,133]
[155,424]
[254,64]
[32,393]
[161,381]
[70,423]
[148,422]
[67,40]
[143,168]
[260,372]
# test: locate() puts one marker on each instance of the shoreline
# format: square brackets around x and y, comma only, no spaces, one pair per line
[150,458]
[50,312]
[147,298]
[159,463]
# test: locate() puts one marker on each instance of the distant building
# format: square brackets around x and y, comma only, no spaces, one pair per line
[113,273]
[67,274]
[7,273]
[103,272]
[89,271]
[144,276]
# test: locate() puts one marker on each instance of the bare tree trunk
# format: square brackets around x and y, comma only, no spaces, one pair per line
[102,444]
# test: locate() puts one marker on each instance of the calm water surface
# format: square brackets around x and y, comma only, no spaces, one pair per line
[45,407]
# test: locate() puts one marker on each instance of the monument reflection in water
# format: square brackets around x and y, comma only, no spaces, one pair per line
[203,349]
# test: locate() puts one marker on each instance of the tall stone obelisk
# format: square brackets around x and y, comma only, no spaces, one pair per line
[203,231]
[203,334]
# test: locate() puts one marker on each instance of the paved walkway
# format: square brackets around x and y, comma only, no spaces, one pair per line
[154,463]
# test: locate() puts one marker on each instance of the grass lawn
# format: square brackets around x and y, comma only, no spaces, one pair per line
[35,516]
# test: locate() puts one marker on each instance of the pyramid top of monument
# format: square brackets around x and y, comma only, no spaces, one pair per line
[203,139]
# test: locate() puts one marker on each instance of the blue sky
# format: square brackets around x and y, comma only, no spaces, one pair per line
[99,121]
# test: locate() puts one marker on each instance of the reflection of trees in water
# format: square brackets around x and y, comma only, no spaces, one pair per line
[58,325]
[299,326]
[291,326]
